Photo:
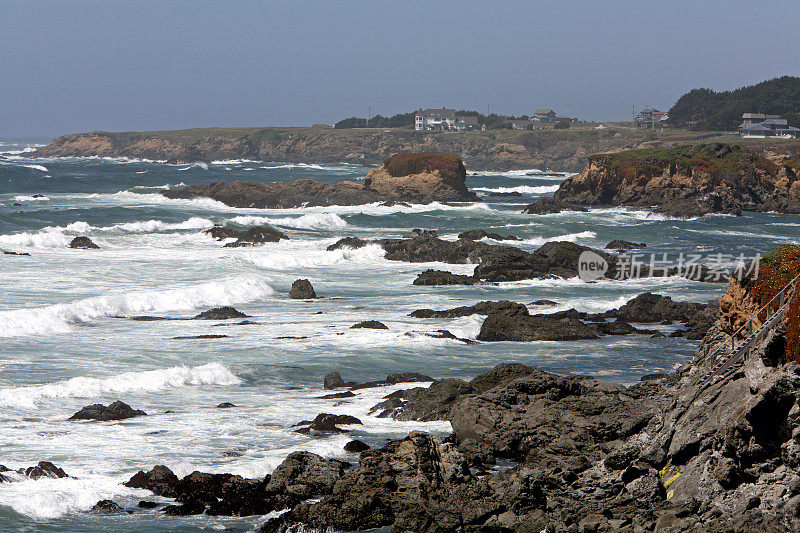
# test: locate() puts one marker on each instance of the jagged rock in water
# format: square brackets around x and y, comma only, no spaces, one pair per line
[369,324]
[220,313]
[83,243]
[480,308]
[546,206]
[114,411]
[302,290]
[440,277]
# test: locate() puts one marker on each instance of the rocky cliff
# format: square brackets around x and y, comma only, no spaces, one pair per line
[689,180]
[433,177]
[495,149]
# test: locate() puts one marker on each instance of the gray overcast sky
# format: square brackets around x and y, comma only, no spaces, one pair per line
[146,65]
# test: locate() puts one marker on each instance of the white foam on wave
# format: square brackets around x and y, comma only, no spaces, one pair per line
[52,498]
[48,238]
[30,397]
[538,241]
[531,173]
[284,257]
[524,189]
[25,165]
[198,164]
[310,221]
[152,226]
[26,198]
[58,318]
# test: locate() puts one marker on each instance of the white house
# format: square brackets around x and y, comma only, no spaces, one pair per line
[442,119]
[761,125]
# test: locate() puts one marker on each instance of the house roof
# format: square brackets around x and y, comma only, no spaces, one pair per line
[758,127]
[544,112]
[438,113]
[775,121]
[470,120]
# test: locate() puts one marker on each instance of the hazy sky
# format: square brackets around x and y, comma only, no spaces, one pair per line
[69,66]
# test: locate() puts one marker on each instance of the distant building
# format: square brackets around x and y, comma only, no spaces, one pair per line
[651,117]
[761,125]
[523,124]
[443,119]
[548,115]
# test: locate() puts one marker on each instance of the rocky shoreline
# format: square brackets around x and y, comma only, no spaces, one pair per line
[674,452]
[429,177]
[689,181]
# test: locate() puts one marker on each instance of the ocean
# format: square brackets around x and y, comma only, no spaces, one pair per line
[68,341]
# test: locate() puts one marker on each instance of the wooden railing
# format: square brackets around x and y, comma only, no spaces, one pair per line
[774,311]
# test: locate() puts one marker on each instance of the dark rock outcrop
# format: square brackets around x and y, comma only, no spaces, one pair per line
[220,313]
[480,308]
[83,243]
[546,206]
[302,290]
[369,324]
[248,237]
[620,244]
[478,234]
[356,446]
[440,277]
[326,423]
[347,242]
[504,327]
[106,506]
[114,411]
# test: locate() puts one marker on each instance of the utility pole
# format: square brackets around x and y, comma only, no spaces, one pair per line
[633,114]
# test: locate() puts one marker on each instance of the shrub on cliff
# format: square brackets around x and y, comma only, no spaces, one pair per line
[449,165]
[776,269]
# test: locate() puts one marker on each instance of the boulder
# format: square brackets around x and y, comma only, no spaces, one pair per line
[220,313]
[114,411]
[225,405]
[83,243]
[424,404]
[303,475]
[45,469]
[106,506]
[333,381]
[161,481]
[654,308]
[302,290]
[356,446]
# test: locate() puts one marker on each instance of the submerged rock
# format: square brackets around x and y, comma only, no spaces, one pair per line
[114,411]
[347,242]
[84,243]
[326,423]
[302,290]
[356,446]
[478,234]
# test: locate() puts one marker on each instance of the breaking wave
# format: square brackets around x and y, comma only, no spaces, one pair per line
[58,318]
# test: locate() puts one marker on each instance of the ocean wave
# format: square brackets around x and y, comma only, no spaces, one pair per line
[538,241]
[59,318]
[26,198]
[198,164]
[152,226]
[310,221]
[44,239]
[524,189]
[25,165]
[531,173]
[288,258]
[164,187]
[28,397]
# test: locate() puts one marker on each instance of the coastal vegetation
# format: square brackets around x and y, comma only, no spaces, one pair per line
[776,269]
[717,160]
[705,109]
[450,166]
